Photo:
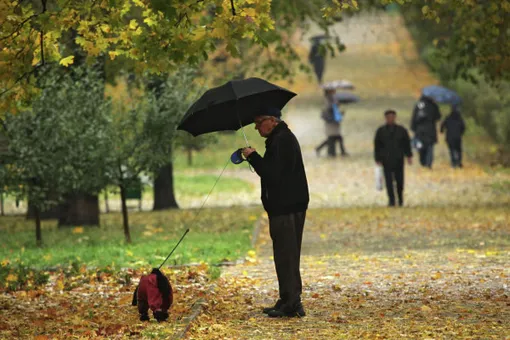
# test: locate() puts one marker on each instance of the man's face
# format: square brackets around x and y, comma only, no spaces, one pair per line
[264,125]
[390,118]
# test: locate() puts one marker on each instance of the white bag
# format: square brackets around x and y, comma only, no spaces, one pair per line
[379,178]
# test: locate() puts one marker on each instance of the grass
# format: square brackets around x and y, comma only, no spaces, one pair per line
[218,235]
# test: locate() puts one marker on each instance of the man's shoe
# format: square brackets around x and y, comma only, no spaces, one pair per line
[277,306]
[283,312]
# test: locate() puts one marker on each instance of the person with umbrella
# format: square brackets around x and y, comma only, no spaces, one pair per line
[316,58]
[284,184]
[391,146]
[423,123]
[454,126]
[333,116]
[285,198]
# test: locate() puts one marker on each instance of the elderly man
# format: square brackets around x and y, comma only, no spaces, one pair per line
[285,198]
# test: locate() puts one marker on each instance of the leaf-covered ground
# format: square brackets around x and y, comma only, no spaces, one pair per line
[389,274]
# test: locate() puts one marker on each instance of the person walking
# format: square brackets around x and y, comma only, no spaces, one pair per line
[285,198]
[423,123]
[317,59]
[332,116]
[455,127]
[391,146]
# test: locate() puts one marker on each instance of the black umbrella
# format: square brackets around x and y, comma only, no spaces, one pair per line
[233,105]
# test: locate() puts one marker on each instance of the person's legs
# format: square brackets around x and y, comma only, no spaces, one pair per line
[423,155]
[430,156]
[388,177]
[399,178]
[459,150]
[321,146]
[299,224]
[286,255]
[453,156]
[342,146]
[331,146]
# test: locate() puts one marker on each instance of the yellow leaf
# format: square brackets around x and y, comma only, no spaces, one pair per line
[47,257]
[11,278]
[149,22]
[129,253]
[78,230]
[113,54]
[5,262]
[59,284]
[426,309]
[199,33]
[133,24]
[67,61]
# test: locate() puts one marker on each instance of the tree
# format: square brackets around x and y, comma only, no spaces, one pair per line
[55,147]
[157,35]
[473,32]
[172,96]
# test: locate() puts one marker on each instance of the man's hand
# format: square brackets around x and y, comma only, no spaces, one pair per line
[378,163]
[410,160]
[248,151]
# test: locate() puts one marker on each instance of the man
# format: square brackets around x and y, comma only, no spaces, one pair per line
[423,123]
[285,198]
[391,146]
[455,127]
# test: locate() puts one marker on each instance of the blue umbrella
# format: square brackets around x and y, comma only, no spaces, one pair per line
[441,95]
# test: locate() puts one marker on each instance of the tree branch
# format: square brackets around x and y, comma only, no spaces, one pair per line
[19,27]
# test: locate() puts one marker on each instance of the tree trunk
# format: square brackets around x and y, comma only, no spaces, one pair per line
[164,196]
[125,213]
[190,156]
[38,236]
[107,206]
[2,203]
[79,210]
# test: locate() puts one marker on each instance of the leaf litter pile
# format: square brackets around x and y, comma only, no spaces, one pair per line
[428,273]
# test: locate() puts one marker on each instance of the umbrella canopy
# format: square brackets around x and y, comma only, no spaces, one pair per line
[441,94]
[338,84]
[346,97]
[233,105]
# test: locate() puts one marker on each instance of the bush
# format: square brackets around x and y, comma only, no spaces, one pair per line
[489,105]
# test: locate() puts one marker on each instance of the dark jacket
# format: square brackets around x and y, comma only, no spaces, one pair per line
[391,145]
[454,126]
[423,123]
[282,173]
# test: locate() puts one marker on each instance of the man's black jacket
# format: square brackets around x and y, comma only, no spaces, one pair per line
[425,115]
[282,173]
[391,144]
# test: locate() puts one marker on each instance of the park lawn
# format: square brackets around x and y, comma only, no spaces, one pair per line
[217,235]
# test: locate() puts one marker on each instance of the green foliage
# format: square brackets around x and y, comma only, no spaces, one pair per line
[217,235]
[488,104]
[56,147]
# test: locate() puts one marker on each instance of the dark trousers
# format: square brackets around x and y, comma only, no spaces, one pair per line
[427,155]
[331,144]
[455,147]
[287,233]
[391,174]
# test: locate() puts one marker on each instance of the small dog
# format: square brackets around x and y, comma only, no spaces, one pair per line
[155,292]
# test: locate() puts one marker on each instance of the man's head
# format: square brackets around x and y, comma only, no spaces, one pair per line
[265,124]
[390,116]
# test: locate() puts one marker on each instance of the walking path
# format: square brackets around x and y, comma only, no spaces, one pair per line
[435,269]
